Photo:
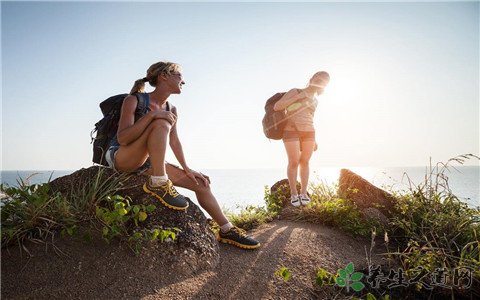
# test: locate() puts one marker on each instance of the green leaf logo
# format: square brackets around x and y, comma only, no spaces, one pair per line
[348,278]
[356,276]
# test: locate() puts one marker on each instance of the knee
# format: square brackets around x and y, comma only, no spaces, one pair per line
[293,163]
[160,124]
[304,162]
[202,188]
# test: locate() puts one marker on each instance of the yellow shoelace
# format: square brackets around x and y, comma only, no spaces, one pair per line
[171,189]
[240,231]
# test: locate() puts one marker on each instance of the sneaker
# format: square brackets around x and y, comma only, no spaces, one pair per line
[167,194]
[295,200]
[237,237]
[304,199]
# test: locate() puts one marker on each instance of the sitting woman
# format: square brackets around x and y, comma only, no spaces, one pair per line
[141,143]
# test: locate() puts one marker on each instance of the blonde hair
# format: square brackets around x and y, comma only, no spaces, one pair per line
[322,74]
[162,67]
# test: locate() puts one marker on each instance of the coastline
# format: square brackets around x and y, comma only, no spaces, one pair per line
[242,187]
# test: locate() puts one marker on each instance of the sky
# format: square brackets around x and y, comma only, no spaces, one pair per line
[404,78]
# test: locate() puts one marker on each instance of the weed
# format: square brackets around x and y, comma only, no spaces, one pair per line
[284,273]
[436,228]
[251,217]
[88,195]
[323,277]
[32,213]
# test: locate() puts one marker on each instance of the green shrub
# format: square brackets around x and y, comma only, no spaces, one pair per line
[87,196]
[273,202]
[116,213]
[435,228]
[251,217]
[32,213]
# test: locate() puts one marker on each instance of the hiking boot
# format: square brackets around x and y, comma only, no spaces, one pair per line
[167,194]
[295,200]
[304,199]
[237,237]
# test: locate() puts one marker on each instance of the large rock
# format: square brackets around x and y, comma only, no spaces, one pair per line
[364,194]
[102,267]
[281,191]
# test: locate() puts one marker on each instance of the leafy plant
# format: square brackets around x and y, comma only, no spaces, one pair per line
[273,201]
[435,228]
[284,273]
[32,213]
[151,235]
[323,277]
[88,195]
[117,213]
[251,217]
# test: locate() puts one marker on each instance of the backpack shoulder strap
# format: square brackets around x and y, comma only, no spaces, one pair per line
[143,101]
[169,107]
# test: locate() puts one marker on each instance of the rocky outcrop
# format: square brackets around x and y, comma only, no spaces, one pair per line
[281,191]
[194,234]
[373,201]
[194,249]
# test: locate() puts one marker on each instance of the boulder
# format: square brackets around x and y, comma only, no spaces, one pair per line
[98,264]
[364,194]
[375,214]
[281,191]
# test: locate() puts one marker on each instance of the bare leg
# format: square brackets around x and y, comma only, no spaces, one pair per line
[152,142]
[306,154]
[293,152]
[204,194]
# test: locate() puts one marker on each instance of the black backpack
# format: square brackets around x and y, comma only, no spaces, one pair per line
[274,121]
[107,127]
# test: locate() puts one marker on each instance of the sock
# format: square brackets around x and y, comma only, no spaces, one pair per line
[158,180]
[226,227]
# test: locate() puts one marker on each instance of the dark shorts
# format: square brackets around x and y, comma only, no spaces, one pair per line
[301,136]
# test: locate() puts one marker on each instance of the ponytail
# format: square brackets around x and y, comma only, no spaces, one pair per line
[138,86]
[152,75]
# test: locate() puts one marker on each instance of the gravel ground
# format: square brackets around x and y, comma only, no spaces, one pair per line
[98,270]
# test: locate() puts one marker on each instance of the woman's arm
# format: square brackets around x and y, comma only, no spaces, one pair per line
[176,145]
[177,149]
[129,130]
[290,97]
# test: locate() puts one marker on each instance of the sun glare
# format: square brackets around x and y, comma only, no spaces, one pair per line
[346,87]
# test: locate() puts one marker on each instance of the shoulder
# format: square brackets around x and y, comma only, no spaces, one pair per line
[293,91]
[130,101]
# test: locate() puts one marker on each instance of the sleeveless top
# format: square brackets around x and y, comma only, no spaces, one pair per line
[138,114]
[300,115]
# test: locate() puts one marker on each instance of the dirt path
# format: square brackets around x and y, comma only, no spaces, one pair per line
[241,274]
[301,247]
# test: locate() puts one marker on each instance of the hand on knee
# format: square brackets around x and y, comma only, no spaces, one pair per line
[202,188]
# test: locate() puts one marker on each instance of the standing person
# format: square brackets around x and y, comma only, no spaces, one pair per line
[141,143]
[299,133]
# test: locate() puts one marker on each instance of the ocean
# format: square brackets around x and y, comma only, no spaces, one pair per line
[238,188]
